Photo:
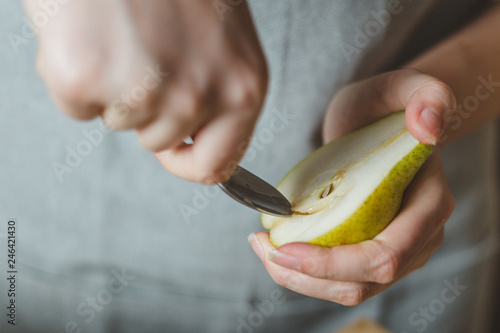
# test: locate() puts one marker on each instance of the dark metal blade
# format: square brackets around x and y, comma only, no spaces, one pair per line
[252,191]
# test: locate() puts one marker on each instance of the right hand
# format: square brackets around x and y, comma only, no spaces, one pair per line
[95,54]
[350,274]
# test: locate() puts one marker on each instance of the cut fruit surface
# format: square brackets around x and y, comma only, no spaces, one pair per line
[350,189]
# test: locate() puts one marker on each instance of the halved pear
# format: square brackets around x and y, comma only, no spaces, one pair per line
[349,190]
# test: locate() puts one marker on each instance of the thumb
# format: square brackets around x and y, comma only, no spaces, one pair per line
[428,103]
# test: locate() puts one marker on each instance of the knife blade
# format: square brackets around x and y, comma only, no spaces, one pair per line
[254,192]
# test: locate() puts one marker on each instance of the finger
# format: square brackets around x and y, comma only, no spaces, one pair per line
[428,102]
[221,142]
[425,254]
[86,76]
[72,74]
[429,108]
[137,94]
[425,208]
[216,150]
[135,109]
[69,88]
[181,115]
[345,293]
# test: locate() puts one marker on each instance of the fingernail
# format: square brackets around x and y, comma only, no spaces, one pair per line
[255,244]
[430,124]
[284,259]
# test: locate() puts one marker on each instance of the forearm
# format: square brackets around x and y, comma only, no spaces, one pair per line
[469,62]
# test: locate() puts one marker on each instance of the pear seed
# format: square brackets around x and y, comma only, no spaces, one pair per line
[327,191]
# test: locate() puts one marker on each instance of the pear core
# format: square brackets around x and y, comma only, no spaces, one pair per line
[349,190]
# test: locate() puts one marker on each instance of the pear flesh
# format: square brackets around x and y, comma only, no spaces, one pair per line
[349,190]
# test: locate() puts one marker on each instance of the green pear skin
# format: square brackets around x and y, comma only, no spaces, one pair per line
[381,206]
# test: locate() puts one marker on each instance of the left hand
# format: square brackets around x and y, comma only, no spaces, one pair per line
[350,274]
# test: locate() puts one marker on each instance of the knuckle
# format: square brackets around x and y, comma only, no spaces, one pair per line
[281,279]
[313,267]
[191,111]
[387,267]
[187,104]
[74,85]
[439,86]
[245,91]
[443,91]
[384,84]
[328,268]
[353,295]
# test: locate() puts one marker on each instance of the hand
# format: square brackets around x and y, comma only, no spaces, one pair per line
[168,69]
[350,274]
